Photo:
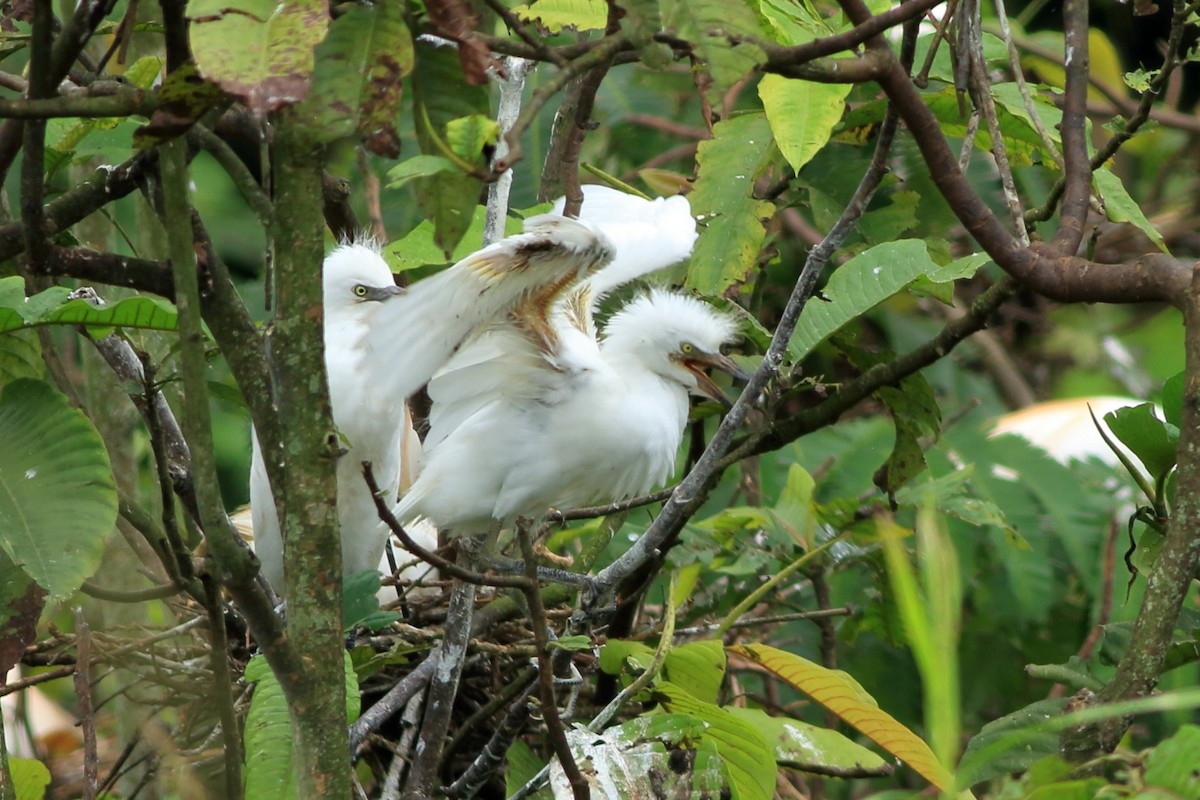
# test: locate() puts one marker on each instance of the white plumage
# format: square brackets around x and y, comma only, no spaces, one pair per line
[537,413]
[382,343]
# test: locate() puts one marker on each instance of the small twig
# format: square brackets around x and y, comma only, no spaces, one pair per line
[140,596]
[34,680]
[510,79]
[448,658]
[238,172]
[395,699]
[445,566]
[218,662]
[371,192]
[759,622]
[83,697]
[599,54]
[554,726]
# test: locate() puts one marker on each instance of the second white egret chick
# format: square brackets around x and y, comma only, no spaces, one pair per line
[578,422]
[382,343]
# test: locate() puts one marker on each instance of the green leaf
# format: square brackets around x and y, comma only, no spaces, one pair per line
[801,745]
[802,114]
[51,454]
[259,51]
[523,764]
[470,136]
[357,81]
[1171,765]
[1121,207]
[748,756]
[616,652]
[441,94]
[1023,142]
[697,667]
[51,307]
[641,23]
[857,286]
[793,23]
[422,166]
[267,771]
[360,605]
[554,15]
[1011,743]
[1172,398]
[30,778]
[732,220]
[20,356]
[710,25]
[418,248]
[1153,441]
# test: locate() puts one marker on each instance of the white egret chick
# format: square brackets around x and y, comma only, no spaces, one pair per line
[583,423]
[382,343]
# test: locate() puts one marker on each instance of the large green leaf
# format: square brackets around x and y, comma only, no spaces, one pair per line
[260,51]
[732,219]
[52,307]
[30,778]
[554,15]
[442,95]
[356,83]
[58,503]
[1171,766]
[697,667]
[748,756]
[859,285]
[798,744]
[710,25]
[802,114]
[268,735]
[1153,441]
[20,356]
[1011,743]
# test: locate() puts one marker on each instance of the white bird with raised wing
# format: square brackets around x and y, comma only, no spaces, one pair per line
[382,343]
[539,412]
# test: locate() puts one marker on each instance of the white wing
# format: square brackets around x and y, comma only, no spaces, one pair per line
[515,360]
[416,333]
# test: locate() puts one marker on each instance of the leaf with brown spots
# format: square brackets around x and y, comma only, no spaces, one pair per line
[457,21]
[259,51]
[358,79]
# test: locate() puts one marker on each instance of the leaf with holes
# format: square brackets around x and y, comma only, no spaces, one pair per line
[732,229]
[748,756]
[357,81]
[260,51]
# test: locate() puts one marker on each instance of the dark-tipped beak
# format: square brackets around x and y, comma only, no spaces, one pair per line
[704,384]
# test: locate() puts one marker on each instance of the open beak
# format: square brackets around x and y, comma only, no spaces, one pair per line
[704,384]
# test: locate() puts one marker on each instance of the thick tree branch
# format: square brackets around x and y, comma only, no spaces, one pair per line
[101,99]
[780,57]
[1153,277]
[1174,568]
[1076,167]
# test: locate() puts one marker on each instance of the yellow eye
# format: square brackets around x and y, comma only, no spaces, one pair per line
[360,290]
[686,348]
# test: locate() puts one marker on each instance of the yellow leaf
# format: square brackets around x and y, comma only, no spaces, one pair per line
[842,695]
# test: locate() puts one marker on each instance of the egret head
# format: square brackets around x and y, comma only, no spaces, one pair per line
[355,274]
[677,337]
